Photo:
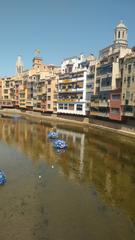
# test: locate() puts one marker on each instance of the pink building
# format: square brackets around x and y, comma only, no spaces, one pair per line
[115,105]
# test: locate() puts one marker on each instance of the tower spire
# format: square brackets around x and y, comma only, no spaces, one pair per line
[120,39]
[19,65]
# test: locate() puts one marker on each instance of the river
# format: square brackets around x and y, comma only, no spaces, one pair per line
[86,192]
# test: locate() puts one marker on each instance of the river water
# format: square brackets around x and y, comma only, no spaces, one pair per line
[86,192]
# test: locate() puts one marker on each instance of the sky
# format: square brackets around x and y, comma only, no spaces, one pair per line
[59,28]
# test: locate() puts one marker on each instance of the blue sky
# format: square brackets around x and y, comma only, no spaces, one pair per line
[59,28]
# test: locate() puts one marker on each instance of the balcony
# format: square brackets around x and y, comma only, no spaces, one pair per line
[71,80]
[94,104]
[65,80]
[68,90]
[100,114]
[106,88]
[37,109]
[103,103]
[29,103]
[64,76]
[68,100]
[100,103]
[6,103]
[128,114]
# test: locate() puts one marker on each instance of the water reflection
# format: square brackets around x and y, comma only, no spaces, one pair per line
[103,161]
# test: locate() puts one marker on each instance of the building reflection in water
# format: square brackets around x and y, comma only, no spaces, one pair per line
[101,161]
[76,142]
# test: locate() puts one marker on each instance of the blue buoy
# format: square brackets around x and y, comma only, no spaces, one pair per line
[53,135]
[60,144]
[2,177]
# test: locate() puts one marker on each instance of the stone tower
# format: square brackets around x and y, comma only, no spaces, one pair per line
[19,65]
[120,38]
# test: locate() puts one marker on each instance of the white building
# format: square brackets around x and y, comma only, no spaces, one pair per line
[72,85]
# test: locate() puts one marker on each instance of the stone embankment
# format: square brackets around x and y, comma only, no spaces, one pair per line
[53,119]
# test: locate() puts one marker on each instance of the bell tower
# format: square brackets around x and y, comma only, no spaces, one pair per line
[120,36]
[19,65]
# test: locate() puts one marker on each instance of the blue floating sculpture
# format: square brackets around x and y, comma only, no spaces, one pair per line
[60,144]
[53,135]
[2,178]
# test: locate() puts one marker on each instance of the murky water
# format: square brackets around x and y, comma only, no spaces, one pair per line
[87,192]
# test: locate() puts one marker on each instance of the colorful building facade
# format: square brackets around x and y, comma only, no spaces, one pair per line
[34,89]
[106,101]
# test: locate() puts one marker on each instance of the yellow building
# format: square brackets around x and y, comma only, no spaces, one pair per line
[32,89]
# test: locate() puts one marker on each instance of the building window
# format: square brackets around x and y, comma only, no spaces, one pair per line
[115,110]
[49,106]
[65,106]
[5,97]
[49,82]
[5,91]
[49,89]
[104,69]
[115,96]
[129,68]
[55,96]
[71,106]
[123,96]
[129,109]
[80,97]
[127,95]
[49,97]
[133,79]
[125,80]
[119,34]
[106,82]
[131,97]
[69,69]
[38,105]
[60,106]
[128,81]
[79,107]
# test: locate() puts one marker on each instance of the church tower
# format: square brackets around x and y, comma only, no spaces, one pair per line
[120,39]
[19,65]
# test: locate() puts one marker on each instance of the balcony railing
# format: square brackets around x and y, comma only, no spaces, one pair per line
[100,114]
[71,80]
[94,104]
[106,88]
[68,100]
[128,114]
[29,103]
[100,103]
[70,90]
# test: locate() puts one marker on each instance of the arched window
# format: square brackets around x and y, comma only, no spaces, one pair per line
[123,34]
[119,34]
